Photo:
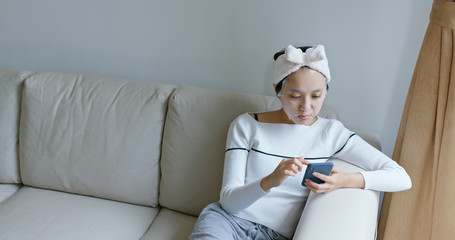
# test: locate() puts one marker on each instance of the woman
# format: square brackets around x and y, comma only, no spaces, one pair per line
[262,196]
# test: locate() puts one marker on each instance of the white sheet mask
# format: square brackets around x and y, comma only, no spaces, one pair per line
[301,113]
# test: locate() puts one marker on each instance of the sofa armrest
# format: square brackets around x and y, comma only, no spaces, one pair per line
[341,214]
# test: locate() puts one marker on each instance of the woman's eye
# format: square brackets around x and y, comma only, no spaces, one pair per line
[295,96]
[318,96]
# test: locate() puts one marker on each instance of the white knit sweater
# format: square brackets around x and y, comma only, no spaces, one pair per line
[254,149]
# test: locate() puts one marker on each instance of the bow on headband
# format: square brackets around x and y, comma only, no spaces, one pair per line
[293,59]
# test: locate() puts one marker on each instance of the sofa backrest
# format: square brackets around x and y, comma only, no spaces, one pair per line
[194,142]
[93,136]
[10,98]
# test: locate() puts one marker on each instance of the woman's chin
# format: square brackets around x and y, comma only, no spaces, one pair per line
[304,120]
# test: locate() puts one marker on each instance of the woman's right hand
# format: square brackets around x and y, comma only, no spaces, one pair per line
[287,167]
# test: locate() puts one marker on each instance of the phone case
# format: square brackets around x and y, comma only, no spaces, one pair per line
[324,168]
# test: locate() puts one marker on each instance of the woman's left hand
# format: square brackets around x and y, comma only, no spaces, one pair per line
[337,179]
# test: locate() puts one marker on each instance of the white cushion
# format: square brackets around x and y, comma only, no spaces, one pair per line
[10,98]
[37,214]
[93,136]
[7,190]
[170,225]
[194,143]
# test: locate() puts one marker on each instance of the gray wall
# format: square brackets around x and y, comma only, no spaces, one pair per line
[372,46]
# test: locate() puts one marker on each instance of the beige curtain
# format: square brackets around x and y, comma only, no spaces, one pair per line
[425,144]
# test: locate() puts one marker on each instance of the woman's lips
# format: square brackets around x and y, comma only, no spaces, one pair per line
[304,117]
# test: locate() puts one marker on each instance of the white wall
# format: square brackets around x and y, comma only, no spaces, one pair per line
[372,46]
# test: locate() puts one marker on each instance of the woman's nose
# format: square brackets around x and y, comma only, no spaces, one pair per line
[304,105]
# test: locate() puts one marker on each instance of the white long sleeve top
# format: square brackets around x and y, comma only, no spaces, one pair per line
[254,149]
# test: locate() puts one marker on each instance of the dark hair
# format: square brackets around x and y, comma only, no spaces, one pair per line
[278,54]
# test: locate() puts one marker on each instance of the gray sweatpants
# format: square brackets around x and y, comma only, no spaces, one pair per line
[215,223]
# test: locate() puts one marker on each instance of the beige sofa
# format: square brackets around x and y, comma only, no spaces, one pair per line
[85,157]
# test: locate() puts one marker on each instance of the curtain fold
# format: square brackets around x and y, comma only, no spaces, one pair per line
[425,144]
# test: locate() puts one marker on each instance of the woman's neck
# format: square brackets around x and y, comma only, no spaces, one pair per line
[278,116]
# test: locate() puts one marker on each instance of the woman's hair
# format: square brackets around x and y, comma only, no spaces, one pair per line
[275,57]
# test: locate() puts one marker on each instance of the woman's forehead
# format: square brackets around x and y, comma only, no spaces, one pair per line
[306,72]
[304,81]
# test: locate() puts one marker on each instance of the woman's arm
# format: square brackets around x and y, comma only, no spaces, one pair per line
[235,195]
[382,173]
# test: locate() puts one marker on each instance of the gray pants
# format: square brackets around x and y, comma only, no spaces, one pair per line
[215,223]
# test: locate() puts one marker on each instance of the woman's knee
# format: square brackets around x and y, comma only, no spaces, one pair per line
[213,223]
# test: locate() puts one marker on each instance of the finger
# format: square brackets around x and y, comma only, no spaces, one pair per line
[294,168]
[312,186]
[303,161]
[289,165]
[321,176]
[290,173]
[308,184]
[293,164]
[319,191]
[287,161]
[298,164]
[317,188]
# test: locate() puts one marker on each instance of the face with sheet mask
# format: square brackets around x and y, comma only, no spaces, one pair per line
[302,95]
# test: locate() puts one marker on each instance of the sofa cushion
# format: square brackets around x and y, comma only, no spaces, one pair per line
[44,214]
[93,136]
[10,97]
[194,143]
[7,190]
[170,225]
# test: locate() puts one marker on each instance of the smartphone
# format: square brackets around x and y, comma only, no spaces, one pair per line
[324,168]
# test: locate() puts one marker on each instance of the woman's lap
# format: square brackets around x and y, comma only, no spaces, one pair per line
[215,223]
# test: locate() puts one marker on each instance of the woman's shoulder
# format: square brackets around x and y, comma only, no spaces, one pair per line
[242,127]
[243,119]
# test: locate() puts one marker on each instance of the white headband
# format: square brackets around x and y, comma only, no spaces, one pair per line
[293,59]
